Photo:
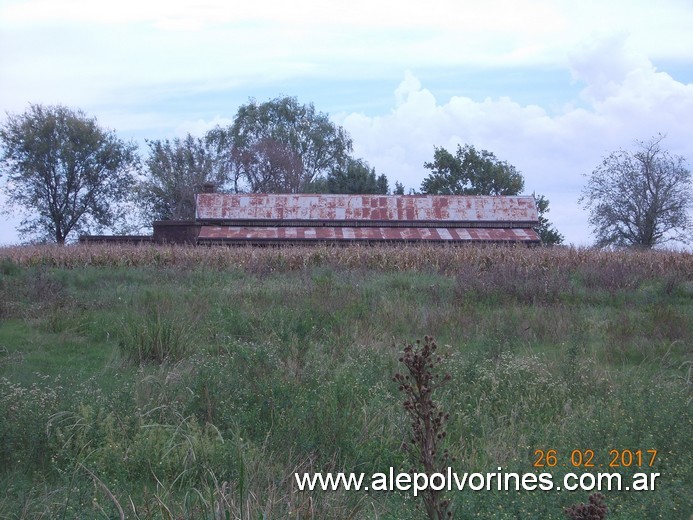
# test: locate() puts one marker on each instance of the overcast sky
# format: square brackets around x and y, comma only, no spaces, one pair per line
[548,86]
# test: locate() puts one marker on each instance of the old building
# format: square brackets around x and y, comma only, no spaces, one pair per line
[265,219]
[286,218]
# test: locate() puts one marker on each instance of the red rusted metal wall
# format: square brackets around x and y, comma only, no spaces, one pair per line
[430,209]
[363,234]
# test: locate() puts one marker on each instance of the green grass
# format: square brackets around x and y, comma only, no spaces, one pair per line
[179,391]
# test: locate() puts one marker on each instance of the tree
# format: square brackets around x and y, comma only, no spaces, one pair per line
[356,178]
[399,188]
[470,172]
[65,171]
[177,170]
[641,198]
[282,146]
[548,234]
[218,141]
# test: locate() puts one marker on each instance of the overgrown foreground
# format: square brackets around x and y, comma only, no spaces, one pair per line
[192,383]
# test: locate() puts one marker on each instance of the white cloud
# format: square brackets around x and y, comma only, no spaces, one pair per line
[81,50]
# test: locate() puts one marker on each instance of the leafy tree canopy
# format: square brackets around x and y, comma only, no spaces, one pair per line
[470,172]
[356,178]
[282,146]
[176,171]
[66,172]
[640,198]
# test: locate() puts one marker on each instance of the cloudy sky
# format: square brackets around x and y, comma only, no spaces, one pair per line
[551,86]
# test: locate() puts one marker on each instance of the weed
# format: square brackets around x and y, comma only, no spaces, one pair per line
[9,267]
[595,509]
[156,331]
[426,446]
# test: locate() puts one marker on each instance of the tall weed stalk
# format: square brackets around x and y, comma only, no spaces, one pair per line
[426,446]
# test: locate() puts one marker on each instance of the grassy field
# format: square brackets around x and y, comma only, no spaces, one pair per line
[172,382]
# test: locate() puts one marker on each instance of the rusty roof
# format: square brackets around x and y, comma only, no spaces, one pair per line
[430,210]
[283,234]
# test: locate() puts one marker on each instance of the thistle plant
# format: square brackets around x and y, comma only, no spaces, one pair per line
[594,510]
[426,446]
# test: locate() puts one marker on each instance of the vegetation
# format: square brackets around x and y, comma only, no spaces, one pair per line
[426,446]
[176,171]
[174,382]
[356,178]
[70,176]
[473,172]
[281,146]
[65,172]
[641,198]
[595,509]
[549,235]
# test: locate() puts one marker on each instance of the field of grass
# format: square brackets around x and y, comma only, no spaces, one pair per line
[175,382]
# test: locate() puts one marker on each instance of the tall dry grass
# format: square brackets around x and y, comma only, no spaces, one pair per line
[598,268]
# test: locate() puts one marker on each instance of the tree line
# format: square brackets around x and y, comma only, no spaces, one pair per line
[69,176]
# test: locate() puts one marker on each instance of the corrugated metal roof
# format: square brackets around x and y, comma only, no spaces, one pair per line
[431,210]
[260,234]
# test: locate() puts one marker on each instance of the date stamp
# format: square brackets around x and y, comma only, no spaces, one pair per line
[588,458]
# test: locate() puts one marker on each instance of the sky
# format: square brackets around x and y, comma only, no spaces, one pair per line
[550,86]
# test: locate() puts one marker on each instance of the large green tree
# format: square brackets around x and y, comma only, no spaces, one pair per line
[357,177]
[470,172]
[640,198]
[282,146]
[473,172]
[178,169]
[65,171]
